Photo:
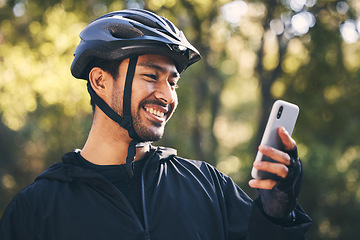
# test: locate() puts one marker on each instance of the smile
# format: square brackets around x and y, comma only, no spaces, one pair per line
[155,112]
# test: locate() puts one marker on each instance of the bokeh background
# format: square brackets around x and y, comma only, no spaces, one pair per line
[253,52]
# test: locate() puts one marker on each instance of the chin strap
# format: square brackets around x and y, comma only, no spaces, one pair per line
[126,120]
[127,97]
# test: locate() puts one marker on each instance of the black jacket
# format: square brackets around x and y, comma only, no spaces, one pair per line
[182,199]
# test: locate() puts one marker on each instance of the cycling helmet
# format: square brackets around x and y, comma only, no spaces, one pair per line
[127,34]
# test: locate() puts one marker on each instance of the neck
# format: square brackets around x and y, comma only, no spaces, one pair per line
[108,144]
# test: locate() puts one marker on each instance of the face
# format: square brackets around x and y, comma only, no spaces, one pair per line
[153,99]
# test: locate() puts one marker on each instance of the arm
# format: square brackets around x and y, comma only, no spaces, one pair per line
[277,198]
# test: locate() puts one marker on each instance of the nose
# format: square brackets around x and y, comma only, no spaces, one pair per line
[165,93]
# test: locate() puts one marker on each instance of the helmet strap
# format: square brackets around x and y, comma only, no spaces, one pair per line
[127,114]
[124,121]
[127,97]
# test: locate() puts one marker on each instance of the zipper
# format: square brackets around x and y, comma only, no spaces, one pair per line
[146,224]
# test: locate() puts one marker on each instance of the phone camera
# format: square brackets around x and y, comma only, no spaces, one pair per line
[279,112]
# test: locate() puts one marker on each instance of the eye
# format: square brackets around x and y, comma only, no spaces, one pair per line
[173,84]
[150,76]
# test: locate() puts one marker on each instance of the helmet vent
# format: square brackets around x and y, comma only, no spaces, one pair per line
[124,31]
[143,20]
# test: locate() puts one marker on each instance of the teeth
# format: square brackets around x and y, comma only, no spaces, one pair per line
[155,112]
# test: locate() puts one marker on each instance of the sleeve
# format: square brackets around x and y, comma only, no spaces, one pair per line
[260,227]
[245,217]
[17,222]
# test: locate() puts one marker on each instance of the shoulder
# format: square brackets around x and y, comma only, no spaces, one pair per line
[170,155]
[37,192]
[198,169]
[196,164]
[213,175]
[23,213]
[22,208]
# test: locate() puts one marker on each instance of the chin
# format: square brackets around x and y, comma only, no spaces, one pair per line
[150,134]
[152,137]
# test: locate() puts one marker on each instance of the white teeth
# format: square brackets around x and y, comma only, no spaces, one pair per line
[155,112]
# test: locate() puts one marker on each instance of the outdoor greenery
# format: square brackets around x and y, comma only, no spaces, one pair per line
[253,52]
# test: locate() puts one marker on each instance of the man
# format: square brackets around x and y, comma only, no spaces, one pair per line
[119,186]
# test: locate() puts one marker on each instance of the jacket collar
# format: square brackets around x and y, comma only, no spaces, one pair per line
[69,169]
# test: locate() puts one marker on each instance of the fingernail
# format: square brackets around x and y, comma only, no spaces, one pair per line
[263,147]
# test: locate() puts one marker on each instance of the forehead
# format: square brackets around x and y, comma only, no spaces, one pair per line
[158,62]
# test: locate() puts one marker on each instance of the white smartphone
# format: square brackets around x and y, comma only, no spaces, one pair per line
[283,114]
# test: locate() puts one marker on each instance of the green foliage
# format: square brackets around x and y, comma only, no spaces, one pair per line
[249,58]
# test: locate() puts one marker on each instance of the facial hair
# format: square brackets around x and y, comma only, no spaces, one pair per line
[152,133]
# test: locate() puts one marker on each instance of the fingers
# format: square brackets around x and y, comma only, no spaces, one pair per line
[276,168]
[262,184]
[279,167]
[275,154]
[288,142]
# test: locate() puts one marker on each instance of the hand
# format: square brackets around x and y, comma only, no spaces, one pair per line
[280,168]
[278,197]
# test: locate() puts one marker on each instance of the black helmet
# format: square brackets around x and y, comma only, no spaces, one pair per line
[126,33]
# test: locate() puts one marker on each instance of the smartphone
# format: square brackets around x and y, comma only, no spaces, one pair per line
[283,114]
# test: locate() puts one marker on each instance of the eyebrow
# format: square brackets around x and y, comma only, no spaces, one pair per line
[159,68]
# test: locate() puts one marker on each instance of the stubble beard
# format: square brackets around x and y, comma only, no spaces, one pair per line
[145,132]
[141,130]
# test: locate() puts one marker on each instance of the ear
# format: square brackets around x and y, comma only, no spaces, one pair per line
[100,82]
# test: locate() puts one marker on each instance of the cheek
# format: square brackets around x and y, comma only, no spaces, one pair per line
[143,88]
[140,92]
[149,87]
[176,101]
[174,104]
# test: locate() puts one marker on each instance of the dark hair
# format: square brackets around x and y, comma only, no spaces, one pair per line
[109,66]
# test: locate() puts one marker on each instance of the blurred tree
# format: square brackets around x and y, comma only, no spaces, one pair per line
[303,51]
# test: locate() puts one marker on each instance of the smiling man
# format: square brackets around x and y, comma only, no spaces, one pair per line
[119,186]
[153,101]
